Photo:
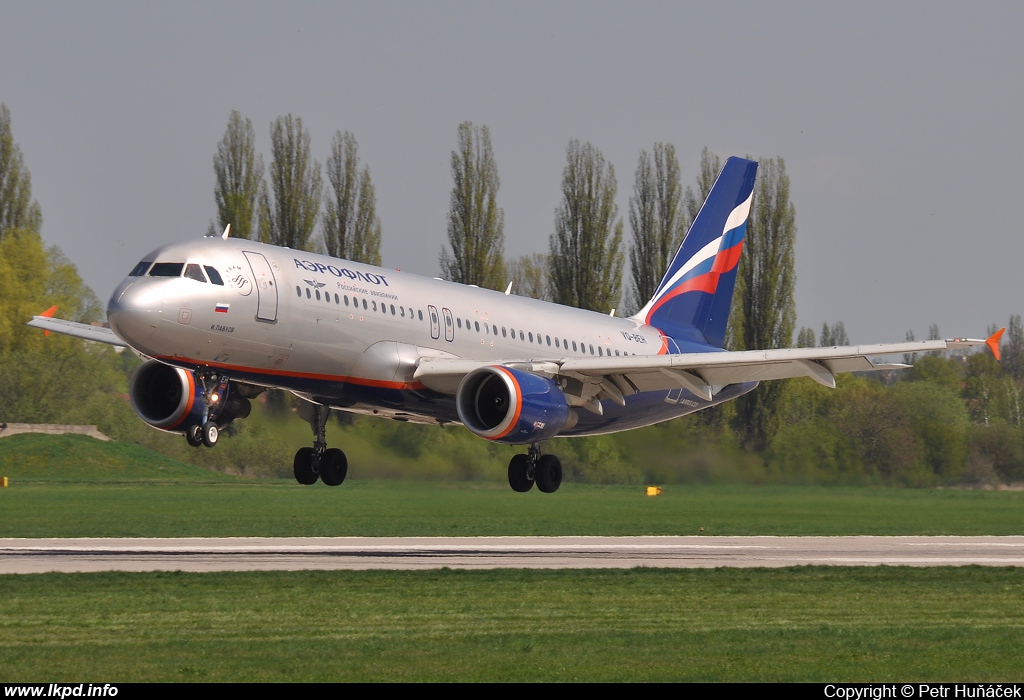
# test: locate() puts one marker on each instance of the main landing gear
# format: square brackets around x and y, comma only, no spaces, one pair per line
[318,462]
[533,467]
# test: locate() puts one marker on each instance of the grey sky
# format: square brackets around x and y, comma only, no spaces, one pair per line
[899,123]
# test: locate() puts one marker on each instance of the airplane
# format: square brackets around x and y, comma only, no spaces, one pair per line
[223,319]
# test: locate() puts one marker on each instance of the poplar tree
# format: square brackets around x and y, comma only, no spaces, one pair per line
[476,224]
[763,312]
[239,172]
[289,210]
[351,226]
[657,218]
[586,258]
[17,208]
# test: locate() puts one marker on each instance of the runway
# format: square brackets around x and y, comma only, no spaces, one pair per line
[325,553]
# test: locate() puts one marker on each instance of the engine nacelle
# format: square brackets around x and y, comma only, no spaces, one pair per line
[511,406]
[169,398]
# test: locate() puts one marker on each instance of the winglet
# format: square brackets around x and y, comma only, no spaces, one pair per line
[49,314]
[993,342]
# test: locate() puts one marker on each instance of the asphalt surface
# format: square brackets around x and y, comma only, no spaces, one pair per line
[297,553]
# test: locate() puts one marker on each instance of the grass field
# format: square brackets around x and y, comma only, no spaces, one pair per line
[117,490]
[807,624]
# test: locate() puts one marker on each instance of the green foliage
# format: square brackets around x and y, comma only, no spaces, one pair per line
[763,312]
[46,378]
[288,213]
[833,336]
[476,224]
[586,258]
[805,338]
[529,276]
[938,370]
[657,217]
[17,208]
[239,173]
[352,228]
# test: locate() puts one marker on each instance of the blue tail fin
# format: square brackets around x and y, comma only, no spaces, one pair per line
[692,302]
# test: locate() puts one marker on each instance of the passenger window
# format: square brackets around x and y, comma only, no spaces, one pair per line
[364,304]
[140,269]
[298,291]
[166,270]
[194,272]
[214,275]
[420,314]
[308,295]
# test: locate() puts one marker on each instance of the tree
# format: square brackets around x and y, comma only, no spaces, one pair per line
[529,275]
[289,211]
[833,335]
[805,338]
[351,226]
[476,224]
[710,167]
[657,218]
[586,260]
[17,208]
[239,172]
[1013,352]
[764,311]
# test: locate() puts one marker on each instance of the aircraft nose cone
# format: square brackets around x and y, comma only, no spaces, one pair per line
[133,313]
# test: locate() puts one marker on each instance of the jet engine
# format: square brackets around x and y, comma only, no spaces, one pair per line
[511,406]
[170,399]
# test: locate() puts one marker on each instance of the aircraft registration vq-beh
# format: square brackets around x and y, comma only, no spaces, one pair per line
[221,320]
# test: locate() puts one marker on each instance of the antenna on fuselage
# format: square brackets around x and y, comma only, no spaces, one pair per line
[508,289]
[227,230]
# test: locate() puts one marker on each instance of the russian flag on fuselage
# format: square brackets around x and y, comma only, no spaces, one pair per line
[692,302]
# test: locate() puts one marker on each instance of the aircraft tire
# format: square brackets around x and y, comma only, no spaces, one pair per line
[210,433]
[194,436]
[518,474]
[303,467]
[549,473]
[333,467]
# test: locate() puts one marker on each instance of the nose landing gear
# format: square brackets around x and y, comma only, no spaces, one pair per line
[526,470]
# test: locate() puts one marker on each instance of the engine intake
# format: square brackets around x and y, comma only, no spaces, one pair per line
[169,398]
[511,406]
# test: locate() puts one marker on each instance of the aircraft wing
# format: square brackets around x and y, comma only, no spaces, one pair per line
[700,373]
[99,334]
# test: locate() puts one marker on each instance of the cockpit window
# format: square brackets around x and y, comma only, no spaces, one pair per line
[166,269]
[194,272]
[214,275]
[140,269]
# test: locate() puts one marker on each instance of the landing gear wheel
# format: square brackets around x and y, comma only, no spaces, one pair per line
[519,474]
[303,466]
[209,433]
[549,473]
[194,436]
[333,467]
